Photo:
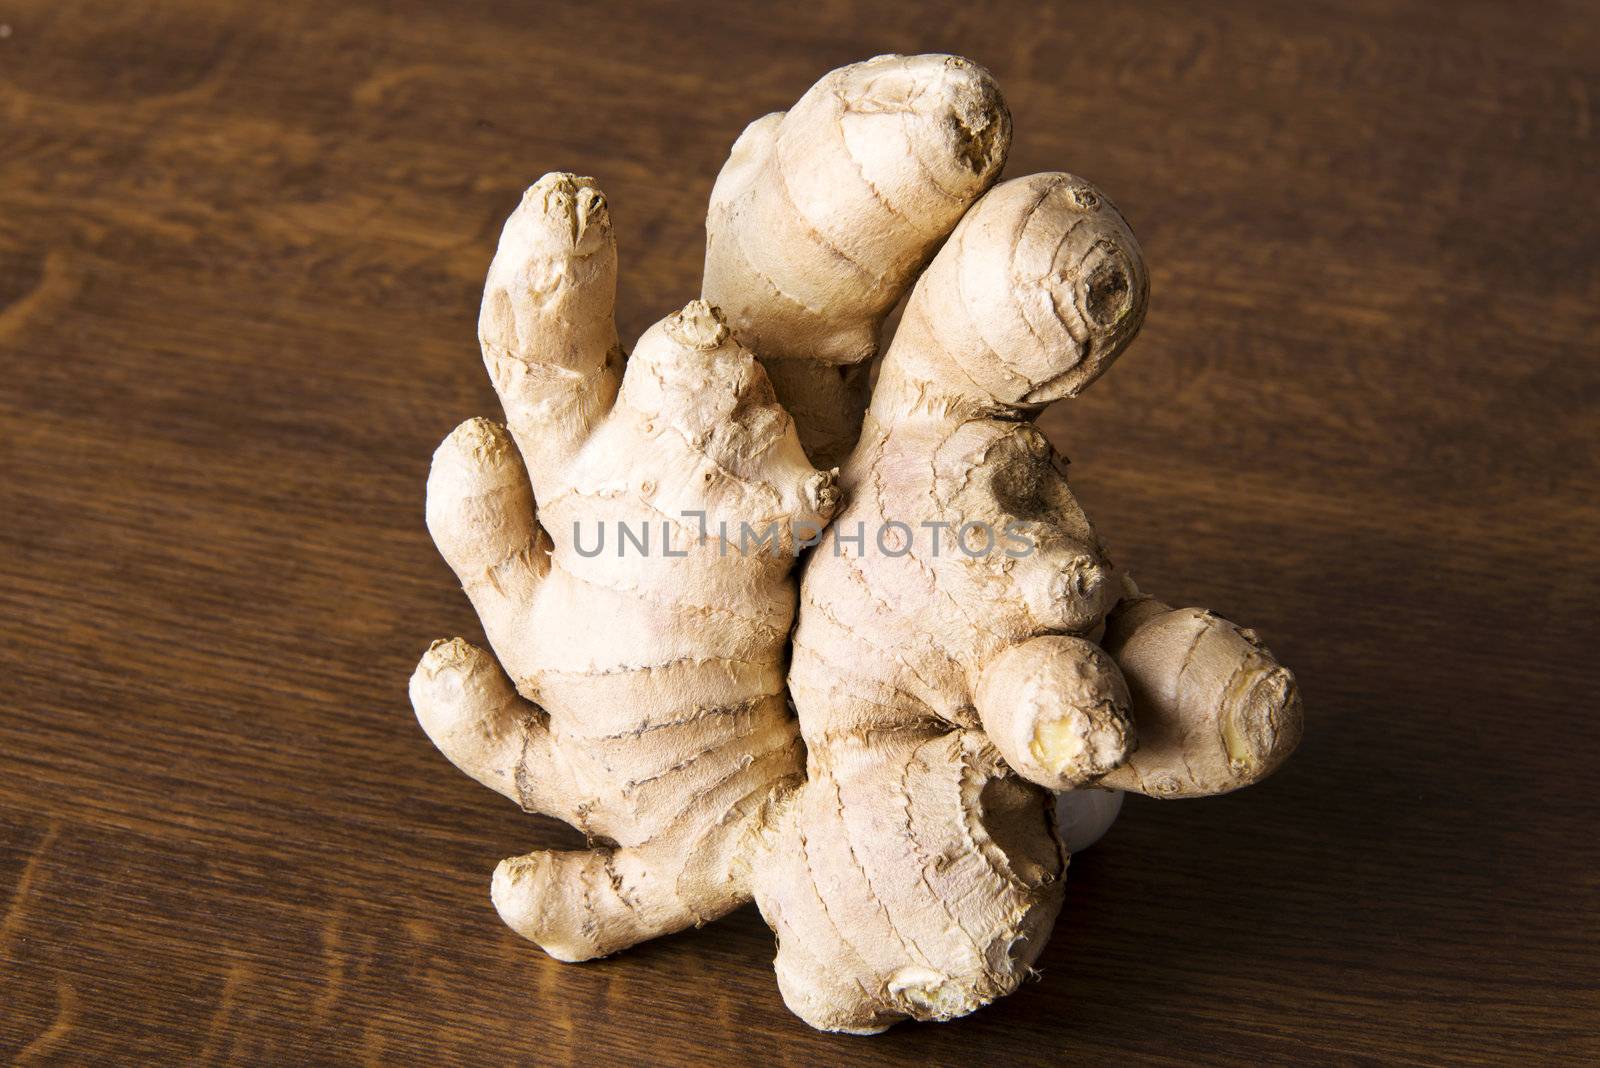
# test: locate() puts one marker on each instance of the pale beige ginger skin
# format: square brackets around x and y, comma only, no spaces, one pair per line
[1229,713]
[894,901]
[894,892]
[906,855]
[1057,708]
[648,707]
[649,710]
[824,214]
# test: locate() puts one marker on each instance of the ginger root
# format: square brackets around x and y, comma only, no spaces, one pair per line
[648,707]
[1221,712]
[644,640]
[944,694]
[824,214]
[960,647]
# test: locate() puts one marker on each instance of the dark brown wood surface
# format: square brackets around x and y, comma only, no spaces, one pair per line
[240,256]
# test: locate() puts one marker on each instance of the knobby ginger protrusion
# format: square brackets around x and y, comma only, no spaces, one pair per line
[824,214]
[648,708]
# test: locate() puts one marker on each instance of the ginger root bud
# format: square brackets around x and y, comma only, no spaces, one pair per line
[1057,709]
[1214,708]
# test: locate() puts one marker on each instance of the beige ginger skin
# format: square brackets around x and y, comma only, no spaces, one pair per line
[824,214]
[645,699]
[961,647]
[647,708]
[943,695]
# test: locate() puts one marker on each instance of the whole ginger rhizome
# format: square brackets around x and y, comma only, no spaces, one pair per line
[661,567]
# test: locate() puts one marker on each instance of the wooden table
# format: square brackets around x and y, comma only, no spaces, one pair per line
[240,256]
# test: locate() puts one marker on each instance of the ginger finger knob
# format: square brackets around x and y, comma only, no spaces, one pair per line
[1215,708]
[1057,709]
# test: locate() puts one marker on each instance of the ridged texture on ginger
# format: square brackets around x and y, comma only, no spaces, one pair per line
[648,709]
[913,876]
[953,665]
[896,635]
[1215,709]
[962,648]
[824,214]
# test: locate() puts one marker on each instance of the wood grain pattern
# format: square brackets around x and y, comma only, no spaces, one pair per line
[240,253]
